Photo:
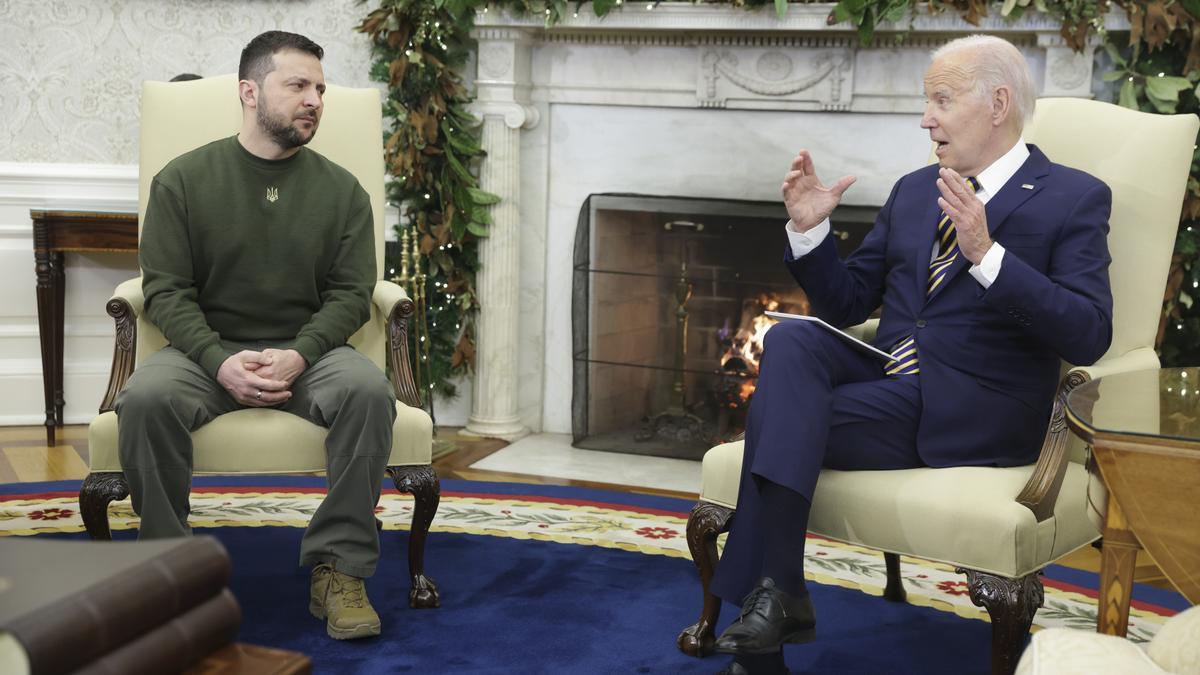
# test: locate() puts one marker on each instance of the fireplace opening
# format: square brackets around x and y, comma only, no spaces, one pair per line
[667,316]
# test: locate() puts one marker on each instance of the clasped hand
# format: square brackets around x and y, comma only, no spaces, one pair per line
[261,379]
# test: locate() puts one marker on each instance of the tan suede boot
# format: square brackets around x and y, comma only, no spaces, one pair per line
[342,601]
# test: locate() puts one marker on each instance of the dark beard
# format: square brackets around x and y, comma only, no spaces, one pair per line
[281,131]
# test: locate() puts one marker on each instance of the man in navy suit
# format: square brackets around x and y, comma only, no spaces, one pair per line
[990,267]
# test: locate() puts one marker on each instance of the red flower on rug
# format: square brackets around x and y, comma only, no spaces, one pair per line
[657,532]
[953,587]
[51,514]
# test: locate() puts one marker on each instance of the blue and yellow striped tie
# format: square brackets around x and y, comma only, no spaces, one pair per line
[904,354]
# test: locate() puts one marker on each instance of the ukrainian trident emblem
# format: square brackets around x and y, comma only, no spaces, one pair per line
[272,194]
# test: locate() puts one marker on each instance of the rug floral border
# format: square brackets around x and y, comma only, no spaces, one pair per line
[629,528]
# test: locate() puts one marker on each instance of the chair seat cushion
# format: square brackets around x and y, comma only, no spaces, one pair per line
[964,516]
[265,441]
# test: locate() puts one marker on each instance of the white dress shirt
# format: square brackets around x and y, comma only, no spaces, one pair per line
[990,180]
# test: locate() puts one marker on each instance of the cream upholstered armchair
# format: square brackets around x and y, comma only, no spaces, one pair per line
[177,117]
[1001,526]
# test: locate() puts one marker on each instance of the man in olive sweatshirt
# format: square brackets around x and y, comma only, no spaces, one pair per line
[258,263]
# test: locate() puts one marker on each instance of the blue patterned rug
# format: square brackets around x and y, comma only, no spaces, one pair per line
[545,579]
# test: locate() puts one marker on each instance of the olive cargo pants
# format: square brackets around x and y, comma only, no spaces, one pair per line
[169,396]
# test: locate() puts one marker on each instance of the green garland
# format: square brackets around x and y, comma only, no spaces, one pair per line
[432,148]
[431,152]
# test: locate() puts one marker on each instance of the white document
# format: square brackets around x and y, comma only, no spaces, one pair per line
[850,339]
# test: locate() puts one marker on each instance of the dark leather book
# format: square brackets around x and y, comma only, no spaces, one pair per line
[177,644]
[70,602]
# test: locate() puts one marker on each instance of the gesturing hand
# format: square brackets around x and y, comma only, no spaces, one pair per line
[807,200]
[239,377]
[959,202]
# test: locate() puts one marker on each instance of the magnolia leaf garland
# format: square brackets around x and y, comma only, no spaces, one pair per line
[431,151]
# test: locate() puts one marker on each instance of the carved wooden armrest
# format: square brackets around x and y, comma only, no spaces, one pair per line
[1041,491]
[394,303]
[124,307]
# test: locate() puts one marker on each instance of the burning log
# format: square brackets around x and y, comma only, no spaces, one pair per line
[743,348]
[741,352]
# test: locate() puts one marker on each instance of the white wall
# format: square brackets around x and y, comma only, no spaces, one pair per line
[70,75]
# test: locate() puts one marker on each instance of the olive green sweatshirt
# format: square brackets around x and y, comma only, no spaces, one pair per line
[235,247]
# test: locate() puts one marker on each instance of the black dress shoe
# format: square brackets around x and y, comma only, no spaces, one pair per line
[770,618]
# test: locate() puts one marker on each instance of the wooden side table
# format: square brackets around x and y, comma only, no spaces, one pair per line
[55,233]
[1144,429]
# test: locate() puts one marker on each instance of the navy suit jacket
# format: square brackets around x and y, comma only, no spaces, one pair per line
[989,358]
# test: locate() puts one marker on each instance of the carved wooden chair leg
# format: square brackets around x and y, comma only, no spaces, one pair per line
[894,592]
[705,523]
[95,494]
[422,482]
[1011,603]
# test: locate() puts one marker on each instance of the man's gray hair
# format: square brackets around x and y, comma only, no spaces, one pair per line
[997,63]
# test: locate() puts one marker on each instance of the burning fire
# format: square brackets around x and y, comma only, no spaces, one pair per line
[741,350]
[746,346]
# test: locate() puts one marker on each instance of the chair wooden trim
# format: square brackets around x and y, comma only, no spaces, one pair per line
[124,350]
[397,354]
[1041,491]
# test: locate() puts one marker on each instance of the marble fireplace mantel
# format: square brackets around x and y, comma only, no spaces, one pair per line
[654,99]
